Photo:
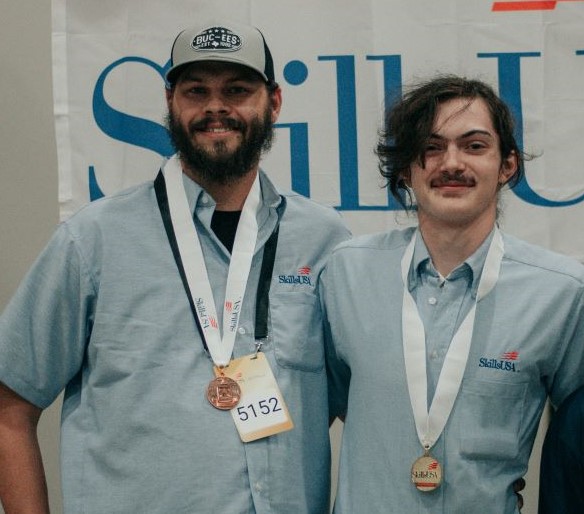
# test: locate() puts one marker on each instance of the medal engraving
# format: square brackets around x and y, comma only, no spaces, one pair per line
[223,393]
[426,473]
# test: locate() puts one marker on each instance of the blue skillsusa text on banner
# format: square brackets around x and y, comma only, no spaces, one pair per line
[147,134]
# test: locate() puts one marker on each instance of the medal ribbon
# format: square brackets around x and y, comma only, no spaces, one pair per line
[430,423]
[220,345]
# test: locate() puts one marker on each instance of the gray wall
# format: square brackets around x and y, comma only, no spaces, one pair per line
[28,172]
[28,169]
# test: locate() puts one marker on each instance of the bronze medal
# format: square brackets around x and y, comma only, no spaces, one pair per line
[426,473]
[223,393]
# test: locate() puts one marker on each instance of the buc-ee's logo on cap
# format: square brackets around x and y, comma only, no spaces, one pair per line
[216,39]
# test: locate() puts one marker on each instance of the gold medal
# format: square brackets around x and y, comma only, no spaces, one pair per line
[223,393]
[426,473]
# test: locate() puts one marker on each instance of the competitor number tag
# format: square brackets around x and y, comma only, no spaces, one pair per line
[261,411]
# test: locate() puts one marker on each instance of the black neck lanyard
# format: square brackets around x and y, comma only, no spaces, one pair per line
[268,258]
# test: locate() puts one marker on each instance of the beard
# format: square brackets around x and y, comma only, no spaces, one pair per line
[217,164]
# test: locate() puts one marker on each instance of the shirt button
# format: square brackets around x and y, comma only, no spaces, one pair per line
[241,330]
[432,301]
[434,355]
[205,199]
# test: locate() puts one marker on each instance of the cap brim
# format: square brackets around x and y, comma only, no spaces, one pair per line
[173,73]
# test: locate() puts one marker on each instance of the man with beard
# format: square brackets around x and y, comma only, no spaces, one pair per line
[182,319]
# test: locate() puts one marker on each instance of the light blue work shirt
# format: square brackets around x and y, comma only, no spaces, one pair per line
[443,302]
[103,313]
[528,343]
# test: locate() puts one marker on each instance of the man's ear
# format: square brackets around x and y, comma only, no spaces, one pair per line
[276,103]
[406,177]
[508,168]
[169,94]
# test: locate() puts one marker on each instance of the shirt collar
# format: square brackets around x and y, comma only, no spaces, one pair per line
[197,197]
[202,203]
[472,266]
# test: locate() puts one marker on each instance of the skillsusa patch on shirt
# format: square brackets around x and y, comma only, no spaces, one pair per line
[506,362]
[302,275]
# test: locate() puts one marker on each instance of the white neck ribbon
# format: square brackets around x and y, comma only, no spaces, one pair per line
[430,423]
[189,245]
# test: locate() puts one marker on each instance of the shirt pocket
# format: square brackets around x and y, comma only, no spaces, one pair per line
[491,414]
[120,348]
[297,334]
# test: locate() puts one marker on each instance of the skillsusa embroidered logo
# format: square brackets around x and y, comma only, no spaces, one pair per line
[302,276]
[217,39]
[506,362]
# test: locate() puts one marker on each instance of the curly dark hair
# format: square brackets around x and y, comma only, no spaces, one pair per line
[409,122]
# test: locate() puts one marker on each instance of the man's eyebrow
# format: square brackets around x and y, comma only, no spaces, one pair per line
[470,133]
[190,77]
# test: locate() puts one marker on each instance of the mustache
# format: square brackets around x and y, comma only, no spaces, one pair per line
[447,178]
[229,123]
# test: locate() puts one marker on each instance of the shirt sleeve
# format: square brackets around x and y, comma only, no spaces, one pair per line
[338,373]
[44,328]
[562,468]
[569,374]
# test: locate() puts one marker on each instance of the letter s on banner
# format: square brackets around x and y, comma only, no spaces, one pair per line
[124,127]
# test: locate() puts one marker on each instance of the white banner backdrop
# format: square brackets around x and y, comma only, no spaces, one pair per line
[338,62]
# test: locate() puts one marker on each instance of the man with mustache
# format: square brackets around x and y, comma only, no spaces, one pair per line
[182,319]
[453,334]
